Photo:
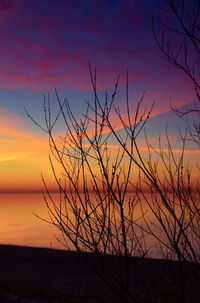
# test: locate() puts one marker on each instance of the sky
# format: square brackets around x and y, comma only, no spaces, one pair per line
[46,44]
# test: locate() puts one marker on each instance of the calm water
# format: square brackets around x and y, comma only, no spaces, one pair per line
[19,226]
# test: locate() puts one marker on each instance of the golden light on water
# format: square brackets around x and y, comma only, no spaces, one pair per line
[18,224]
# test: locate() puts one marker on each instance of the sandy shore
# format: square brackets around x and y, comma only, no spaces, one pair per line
[46,275]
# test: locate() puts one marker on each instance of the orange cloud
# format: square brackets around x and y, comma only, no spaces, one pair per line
[24,153]
[11,157]
[146,149]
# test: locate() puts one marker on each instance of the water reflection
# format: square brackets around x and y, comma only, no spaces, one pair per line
[19,226]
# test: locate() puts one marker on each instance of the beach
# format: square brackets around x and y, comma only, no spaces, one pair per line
[48,275]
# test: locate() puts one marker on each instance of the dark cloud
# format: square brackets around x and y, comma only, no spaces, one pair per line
[45,44]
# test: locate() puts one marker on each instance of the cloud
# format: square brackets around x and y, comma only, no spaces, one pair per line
[4,158]
[16,135]
[47,45]
[7,6]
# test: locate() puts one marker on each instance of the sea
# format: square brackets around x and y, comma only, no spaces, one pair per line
[19,222]
[23,219]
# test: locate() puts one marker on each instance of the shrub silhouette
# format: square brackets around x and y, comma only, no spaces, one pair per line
[106,179]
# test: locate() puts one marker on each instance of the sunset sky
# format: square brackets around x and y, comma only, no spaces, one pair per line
[46,44]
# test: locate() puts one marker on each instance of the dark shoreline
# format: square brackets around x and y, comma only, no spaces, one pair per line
[45,273]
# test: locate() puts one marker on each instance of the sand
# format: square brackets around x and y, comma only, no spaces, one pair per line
[46,275]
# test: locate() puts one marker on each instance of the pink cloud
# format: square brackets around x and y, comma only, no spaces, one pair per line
[47,46]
